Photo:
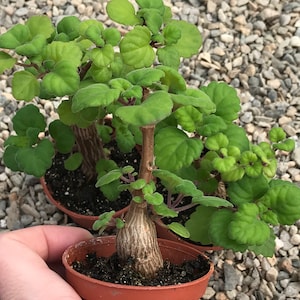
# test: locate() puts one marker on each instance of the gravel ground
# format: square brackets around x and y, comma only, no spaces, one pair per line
[252,44]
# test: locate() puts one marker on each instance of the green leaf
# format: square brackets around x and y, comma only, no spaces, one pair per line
[171,34]
[172,79]
[62,80]
[283,198]
[188,118]
[212,201]
[122,11]
[73,162]
[179,229]
[9,157]
[135,48]
[22,122]
[267,249]
[111,36]
[190,39]
[145,77]
[103,220]
[155,108]
[36,160]
[152,17]
[212,124]
[92,30]
[154,199]
[32,48]
[59,51]
[169,56]
[102,57]
[109,178]
[40,25]
[216,142]
[63,136]
[247,228]
[70,26]
[218,231]
[225,164]
[247,189]
[195,98]
[157,4]
[287,145]
[124,137]
[163,210]
[119,223]
[14,37]
[276,134]
[6,61]
[237,137]
[225,98]
[138,184]
[100,74]
[174,149]
[25,86]
[197,224]
[93,96]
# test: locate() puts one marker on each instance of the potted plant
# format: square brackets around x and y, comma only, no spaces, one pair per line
[190,143]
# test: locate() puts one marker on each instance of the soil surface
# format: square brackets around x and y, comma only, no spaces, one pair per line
[112,270]
[75,192]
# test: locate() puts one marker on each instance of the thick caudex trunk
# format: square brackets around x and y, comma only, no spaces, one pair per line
[137,239]
[89,144]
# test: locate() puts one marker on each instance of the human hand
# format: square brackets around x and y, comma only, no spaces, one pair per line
[25,256]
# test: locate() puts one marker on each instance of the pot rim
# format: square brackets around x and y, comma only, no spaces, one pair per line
[162,242]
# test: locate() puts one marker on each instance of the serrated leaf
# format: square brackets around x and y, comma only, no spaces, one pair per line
[155,108]
[6,61]
[276,134]
[212,124]
[62,80]
[40,25]
[174,149]
[63,136]
[138,184]
[111,36]
[100,74]
[122,11]
[247,228]
[93,96]
[37,160]
[32,48]
[171,34]
[218,231]
[287,145]
[154,199]
[179,229]
[267,249]
[169,56]
[103,220]
[14,37]
[21,122]
[102,57]
[164,211]
[70,26]
[216,142]
[188,118]
[25,86]
[172,79]
[152,17]
[73,162]
[135,48]
[195,98]
[197,224]
[185,45]
[283,198]
[109,178]
[224,164]
[247,189]
[212,201]
[225,98]
[145,77]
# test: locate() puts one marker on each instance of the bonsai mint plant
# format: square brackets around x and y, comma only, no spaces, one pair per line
[193,154]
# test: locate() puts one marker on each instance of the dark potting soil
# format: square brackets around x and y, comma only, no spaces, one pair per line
[76,193]
[112,270]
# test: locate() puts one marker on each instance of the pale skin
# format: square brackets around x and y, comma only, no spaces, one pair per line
[27,262]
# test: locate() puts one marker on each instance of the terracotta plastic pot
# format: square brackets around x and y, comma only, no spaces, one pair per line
[92,289]
[82,220]
[164,233]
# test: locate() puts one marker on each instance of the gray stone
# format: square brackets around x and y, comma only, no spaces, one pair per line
[230,277]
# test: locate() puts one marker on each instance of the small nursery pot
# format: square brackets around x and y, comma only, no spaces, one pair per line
[82,220]
[164,233]
[92,289]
